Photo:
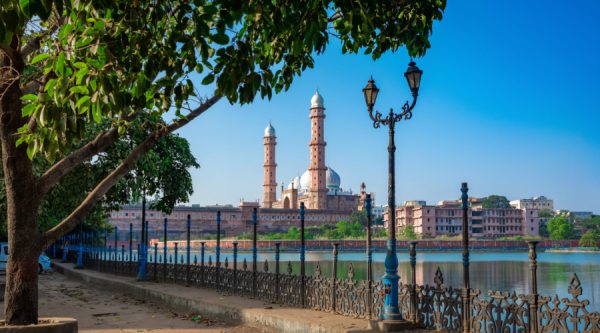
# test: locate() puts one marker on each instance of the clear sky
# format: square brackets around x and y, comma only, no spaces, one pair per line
[508,103]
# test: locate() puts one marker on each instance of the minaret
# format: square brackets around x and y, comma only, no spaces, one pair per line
[270,168]
[317,168]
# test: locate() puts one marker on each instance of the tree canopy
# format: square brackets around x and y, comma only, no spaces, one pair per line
[67,67]
[560,228]
[590,238]
[495,201]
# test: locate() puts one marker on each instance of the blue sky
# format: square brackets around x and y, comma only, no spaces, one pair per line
[508,103]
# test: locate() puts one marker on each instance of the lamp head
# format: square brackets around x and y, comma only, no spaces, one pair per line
[370,92]
[413,77]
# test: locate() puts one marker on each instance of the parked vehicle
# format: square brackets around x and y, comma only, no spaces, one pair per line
[44,262]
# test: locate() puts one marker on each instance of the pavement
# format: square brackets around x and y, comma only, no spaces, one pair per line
[235,310]
[109,303]
[99,310]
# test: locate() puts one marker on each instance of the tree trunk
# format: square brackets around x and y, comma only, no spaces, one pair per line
[21,294]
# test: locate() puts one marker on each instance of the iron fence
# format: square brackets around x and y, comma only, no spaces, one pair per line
[436,307]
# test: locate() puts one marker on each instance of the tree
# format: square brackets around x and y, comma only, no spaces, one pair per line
[590,239]
[408,232]
[67,66]
[591,223]
[495,201]
[560,228]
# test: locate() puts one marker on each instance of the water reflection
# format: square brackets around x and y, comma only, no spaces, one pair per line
[504,271]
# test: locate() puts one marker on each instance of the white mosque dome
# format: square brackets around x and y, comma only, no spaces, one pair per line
[305,181]
[317,101]
[332,178]
[269,131]
[294,183]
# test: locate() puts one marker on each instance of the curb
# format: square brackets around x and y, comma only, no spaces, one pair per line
[254,315]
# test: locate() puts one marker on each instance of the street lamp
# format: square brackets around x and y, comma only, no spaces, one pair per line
[391,277]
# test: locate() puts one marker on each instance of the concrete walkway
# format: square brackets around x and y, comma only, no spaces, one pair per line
[102,311]
[232,309]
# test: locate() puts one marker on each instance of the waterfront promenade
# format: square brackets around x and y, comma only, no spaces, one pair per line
[231,313]
[99,310]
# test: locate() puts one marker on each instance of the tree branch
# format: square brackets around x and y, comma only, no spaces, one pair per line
[123,169]
[34,44]
[53,175]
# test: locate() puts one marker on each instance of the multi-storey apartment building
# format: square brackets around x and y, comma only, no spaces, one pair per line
[540,202]
[445,218]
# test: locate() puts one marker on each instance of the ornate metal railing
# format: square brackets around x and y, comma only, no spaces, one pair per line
[435,307]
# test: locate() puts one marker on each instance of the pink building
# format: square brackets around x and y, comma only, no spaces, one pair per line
[234,220]
[445,218]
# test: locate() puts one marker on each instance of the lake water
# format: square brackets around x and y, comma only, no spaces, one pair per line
[502,271]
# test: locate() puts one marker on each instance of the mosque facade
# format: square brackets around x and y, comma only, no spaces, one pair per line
[319,187]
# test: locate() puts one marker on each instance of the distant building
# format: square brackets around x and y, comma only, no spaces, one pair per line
[319,188]
[378,211]
[578,216]
[445,218]
[234,220]
[539,203]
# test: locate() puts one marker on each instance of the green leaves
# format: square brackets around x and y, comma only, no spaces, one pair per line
[31,8]
[135,58]
[39,57]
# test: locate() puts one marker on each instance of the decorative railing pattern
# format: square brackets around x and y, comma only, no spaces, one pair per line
[438,307]
[435,307]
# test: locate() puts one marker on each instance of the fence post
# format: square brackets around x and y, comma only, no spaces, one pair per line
[79,263]
[533,319]
[143,254]
[413,288]
[109,263]
[122,261]
[334,276]
[130,240]
[155,261]
[235,254]
[465,242]
[302,258]
[176,263]
[146,239]
[277,248]
[254,254]
[369,257]
[187,253]
[65,249]
[202,262]
[104,248]
[164,263]
[218,251]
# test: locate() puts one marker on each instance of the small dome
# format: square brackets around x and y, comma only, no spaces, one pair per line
[269,130]
[305,181]
[333,180]
[317,101]
[294,183]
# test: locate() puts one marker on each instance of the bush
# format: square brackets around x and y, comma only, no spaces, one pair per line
[590,239]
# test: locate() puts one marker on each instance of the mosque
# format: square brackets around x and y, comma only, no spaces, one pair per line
[319,187]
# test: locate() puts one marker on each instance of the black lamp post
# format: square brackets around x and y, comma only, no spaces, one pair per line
[391,278]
